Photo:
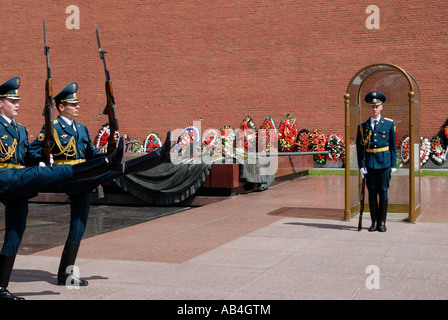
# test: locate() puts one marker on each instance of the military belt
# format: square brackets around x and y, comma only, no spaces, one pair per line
[377,150]
[73,161]
[11,166]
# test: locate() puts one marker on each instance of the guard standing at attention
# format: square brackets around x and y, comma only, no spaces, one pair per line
[377,158]
[71,144]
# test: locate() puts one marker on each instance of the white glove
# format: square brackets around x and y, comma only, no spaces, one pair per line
[42,164]
[392,170]
[363,171]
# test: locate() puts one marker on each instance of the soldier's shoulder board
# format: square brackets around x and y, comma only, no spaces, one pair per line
[389,119]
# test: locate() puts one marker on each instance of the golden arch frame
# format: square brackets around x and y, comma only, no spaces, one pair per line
[413,207]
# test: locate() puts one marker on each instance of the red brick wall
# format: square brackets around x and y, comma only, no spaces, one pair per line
[175,62]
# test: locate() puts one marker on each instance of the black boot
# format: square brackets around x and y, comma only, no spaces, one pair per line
[382,215]
[150,160]
[6,264]
[67,261]
[373,204]
[99,166]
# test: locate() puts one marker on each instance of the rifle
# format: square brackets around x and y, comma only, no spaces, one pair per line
[361,206]
[48,108]
[110,106]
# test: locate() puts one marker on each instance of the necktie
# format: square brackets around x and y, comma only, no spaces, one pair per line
[74,128]
[14,125]
[375,122]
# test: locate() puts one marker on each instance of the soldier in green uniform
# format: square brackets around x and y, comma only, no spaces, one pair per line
[377,158]
[71,144]
[21,178]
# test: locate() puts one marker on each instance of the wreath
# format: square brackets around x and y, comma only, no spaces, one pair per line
[445,131]
[303,141]
[210,140]
[267,141]
[438,150]
[228,141]
[287,134]
[188,136]
[102,137]
[246,137]
[318,140]
[425,150]
[152,142]
[404,149]
[335,147]
[133,146]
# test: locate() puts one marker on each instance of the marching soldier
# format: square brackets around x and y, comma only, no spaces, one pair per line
[377,158]
[21,178]
[71,144]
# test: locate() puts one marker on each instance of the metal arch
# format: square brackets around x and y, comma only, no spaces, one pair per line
[411,81]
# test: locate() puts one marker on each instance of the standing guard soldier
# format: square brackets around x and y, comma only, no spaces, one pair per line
[71,144]
[377,158]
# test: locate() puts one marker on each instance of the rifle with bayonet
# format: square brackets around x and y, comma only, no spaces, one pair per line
[361,206]
[48,108]
[110,106]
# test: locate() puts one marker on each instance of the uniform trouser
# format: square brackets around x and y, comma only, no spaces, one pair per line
[377,182]
[29,182]
[80,194]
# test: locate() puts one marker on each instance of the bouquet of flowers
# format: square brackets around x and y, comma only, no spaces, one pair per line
[287,134]
[101,142]
[152,142]
[335,147]
[267,141]
[318,140]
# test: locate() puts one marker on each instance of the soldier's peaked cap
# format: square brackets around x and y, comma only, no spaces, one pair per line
[68,94]
[375,98]
[10,89]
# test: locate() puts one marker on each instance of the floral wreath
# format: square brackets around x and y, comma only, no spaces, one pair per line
[152,142]
[228,141]
[133,146]
[189,134]
[102,136]
[209,141]
[404,149]
[445,131]
[335,147]
[303,140]
[267,140]
[438,150]
[246,138]
[425,150]
[287,134]
[318,140]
